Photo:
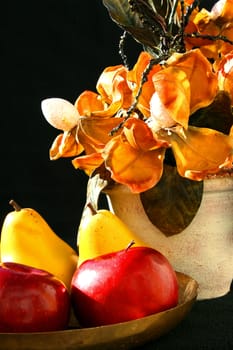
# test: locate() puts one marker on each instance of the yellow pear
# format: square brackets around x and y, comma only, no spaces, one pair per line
[103,232]
[26,238]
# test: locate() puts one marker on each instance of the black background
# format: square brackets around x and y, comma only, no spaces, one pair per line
[48,49]
[58,49]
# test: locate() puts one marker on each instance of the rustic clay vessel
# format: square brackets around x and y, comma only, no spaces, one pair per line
[204,250]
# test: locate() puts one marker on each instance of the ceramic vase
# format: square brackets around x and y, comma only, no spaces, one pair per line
[204,249]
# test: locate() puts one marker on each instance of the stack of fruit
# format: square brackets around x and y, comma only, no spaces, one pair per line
[115,278]
[35,274]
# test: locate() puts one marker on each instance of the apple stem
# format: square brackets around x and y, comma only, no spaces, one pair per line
[15,205]
[92,209]
[129,245]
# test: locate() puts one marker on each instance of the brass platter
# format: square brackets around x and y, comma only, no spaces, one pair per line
[118,336]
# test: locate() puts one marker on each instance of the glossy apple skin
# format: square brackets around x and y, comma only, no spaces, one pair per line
[31,300]
[123,286]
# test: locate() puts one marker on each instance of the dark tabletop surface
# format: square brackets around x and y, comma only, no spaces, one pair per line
[58,49]
[209,326]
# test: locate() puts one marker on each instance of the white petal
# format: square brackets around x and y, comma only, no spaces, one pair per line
[60,113]
[159,113]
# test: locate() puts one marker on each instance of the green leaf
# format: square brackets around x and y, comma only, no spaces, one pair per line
[173,203]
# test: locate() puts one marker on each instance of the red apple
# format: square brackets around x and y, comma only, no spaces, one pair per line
[123,286]
[31,300]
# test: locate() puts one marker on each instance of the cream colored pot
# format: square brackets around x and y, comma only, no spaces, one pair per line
[204,250]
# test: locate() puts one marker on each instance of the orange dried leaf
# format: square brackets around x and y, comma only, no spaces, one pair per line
[65,145]
[170,103]
[88,163]
[99,129]
[226,47]
[88,103]
[135,76]
[114,90]
[89,143]
[223,11]
[135,168]
[104,84]
[140,136]
[203,81]
[186,3]
[225,74]
[201,151]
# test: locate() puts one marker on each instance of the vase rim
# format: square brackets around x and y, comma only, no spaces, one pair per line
[222,181]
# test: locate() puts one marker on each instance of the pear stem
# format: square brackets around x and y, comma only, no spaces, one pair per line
[130,245]
[92,209]
[15,205]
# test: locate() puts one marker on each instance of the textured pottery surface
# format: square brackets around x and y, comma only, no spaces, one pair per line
[204,250]
[126,335]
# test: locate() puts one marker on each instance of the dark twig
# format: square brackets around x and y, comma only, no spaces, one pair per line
[121,49]
[209,37]
[144,78]
[189,11]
